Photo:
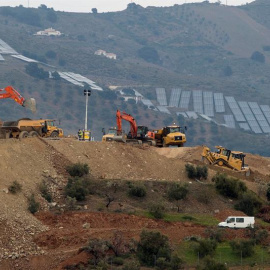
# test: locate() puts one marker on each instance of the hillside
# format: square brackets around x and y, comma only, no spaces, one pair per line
[192,46]
[51,238]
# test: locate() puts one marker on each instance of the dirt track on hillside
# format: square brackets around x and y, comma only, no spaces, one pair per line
[32,160]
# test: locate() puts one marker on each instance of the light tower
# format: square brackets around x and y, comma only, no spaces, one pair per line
[87,93]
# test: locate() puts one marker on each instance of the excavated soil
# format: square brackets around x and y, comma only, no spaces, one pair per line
[45,240]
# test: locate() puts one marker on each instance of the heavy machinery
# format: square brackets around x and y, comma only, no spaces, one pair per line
[10,92]
[110,136]
[26,127]
[170,135]
[137,134]
[224,157]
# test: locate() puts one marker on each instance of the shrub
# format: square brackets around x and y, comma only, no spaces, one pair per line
[258,57]
[200,172]
[33,205]
[132,265]
[71,203]
[97,248]
[137,191]
[264,214]
[216,234]
[15,187]
[117,261]
[177,193]
[191,171]
[210,264]
[157,211]
[45,191]
[78,169]
[149,54]
[206,247]
[246,247]
[268,193]
[51,54]
[229,186]
[249,204]
[153,245]
[77,188]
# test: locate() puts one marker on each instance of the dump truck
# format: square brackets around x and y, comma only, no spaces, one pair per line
[26,127]
[223,157]
[170,135]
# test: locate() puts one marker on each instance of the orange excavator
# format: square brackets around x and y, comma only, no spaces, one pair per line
[137,134]
[10,92]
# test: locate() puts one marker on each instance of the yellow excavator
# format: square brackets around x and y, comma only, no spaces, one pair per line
[224,157]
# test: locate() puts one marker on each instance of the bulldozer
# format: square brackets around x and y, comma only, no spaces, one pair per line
[26,127]
[170,135]
[223,157]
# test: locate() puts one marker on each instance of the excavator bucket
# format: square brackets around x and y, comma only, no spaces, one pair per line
[119,138]
[30,104]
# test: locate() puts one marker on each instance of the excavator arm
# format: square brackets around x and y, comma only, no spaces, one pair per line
[130,119]
[10,92]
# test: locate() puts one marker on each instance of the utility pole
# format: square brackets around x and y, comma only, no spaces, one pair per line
[28,3]
[87,93]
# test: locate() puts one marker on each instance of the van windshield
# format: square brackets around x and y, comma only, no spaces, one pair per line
[230,220]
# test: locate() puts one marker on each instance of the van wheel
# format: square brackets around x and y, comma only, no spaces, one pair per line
[23,134]
[33,134]
[54,134]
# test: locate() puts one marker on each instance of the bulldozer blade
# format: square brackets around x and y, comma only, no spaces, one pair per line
[30,104]
[119,138]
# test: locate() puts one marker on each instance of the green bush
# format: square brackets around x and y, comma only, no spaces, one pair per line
[229,186]
[268,193]
[45,191]
[206,247]
[210,264]
[77,188]
[153,245]
[249,203]
[117,261]
[200,172]
[78,169]
[137,191]
[132,265]
[191,171]
[157,211]
[33,205]
[216,234]
[246,247]
[15,187]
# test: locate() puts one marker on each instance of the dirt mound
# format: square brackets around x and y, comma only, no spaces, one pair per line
[120,161]
[30,161]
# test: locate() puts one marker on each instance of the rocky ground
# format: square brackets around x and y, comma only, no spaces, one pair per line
[46,240]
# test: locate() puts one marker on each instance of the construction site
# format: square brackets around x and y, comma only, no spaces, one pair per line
[35,159]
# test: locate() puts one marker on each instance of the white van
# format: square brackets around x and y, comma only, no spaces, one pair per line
[238,222]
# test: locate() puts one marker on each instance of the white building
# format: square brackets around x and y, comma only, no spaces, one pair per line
[111,55]
[100,52]
[48,32]
[106,54]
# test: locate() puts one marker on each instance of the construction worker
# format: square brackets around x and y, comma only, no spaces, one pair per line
[80,134]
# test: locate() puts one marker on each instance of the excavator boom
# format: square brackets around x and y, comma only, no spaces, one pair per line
[130,119]
[10,92]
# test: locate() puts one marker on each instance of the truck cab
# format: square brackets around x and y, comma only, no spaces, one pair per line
[170,135]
